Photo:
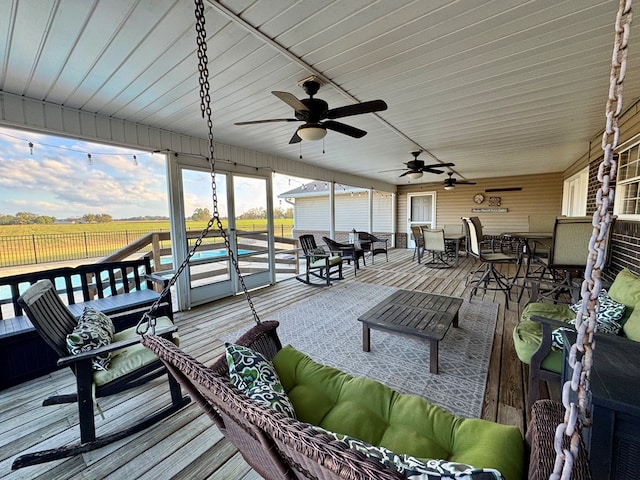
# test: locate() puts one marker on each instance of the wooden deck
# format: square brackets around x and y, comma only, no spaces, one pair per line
[188,445]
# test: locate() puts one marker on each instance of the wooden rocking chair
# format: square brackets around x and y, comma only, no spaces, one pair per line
[131,365]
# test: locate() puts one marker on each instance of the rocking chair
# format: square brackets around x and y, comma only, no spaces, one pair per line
[131,365]
[319,263]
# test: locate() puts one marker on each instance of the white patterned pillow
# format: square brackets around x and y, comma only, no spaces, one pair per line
[255,376]
[94,330]
[411,467]
[609,312]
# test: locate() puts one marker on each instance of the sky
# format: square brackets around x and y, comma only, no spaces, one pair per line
[56,178]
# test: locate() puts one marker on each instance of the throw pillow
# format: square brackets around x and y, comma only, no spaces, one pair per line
[317,254]
[411,467]
[254,375]
[609,314]
[626,289]
[94,330]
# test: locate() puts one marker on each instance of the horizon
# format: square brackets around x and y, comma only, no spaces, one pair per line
[68,178]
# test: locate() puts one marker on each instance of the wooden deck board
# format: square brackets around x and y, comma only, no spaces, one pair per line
[188,445]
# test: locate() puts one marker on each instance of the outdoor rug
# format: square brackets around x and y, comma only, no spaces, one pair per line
[325,326]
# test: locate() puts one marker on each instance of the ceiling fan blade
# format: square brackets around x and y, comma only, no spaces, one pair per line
[356,109]
[296,138]
[407,173]
[464,182]
[291,100]
[431,170]
[344,128]
[394,170]
[271,120]
[440,165]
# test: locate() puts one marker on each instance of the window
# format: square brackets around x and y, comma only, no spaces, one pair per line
[627,192]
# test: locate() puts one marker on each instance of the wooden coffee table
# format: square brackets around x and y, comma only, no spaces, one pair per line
[425,316]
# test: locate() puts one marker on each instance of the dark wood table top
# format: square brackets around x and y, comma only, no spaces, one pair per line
[418,314]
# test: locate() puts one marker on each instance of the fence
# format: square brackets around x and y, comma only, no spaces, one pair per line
[43,248]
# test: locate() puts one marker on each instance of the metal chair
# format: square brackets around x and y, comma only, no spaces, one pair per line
[418,239]
[319,263]
[489,277]
[435,245]
[568,253]
[373,245]
[347,251]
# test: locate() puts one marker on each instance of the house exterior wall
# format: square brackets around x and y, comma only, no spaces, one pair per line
[540,194]
[311,215]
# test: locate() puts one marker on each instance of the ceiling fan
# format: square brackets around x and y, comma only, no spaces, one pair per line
[416,167]
[317,116]
[450,183]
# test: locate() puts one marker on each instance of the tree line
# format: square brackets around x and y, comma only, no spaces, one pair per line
[204,214]
[28,218]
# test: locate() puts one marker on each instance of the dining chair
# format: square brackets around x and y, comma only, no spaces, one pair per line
[347,251]
[373,245]
[435,245]
[488,277]
[418,239]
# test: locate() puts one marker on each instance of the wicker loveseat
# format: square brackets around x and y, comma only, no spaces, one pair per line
[532,335]
[277,446]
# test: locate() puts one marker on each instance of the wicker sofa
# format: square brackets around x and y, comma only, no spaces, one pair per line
[532,335]
[278,446]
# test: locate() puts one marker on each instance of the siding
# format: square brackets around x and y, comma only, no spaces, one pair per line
[540,194]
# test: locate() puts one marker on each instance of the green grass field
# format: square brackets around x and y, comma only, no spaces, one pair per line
[280,224]
[28,244]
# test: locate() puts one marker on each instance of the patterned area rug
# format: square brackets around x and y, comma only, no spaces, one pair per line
[326,327]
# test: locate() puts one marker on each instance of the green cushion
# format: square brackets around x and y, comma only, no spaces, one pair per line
[129,359]
[527,334]
[334,260]
[631,327]
[626,289]
[406,424]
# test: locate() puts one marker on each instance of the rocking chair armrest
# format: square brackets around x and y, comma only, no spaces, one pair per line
[156,278]
[71,359]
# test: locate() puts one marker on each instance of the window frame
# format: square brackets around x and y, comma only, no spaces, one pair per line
[624,151]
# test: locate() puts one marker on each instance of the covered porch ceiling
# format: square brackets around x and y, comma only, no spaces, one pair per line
[500,88]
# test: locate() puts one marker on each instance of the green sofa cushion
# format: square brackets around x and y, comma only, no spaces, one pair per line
[626,289]
[406,424]
[527,333]
[631,327]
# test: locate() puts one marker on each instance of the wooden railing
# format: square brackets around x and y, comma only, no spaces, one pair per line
[157,245]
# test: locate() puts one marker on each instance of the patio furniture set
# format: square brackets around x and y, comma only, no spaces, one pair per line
[326,264]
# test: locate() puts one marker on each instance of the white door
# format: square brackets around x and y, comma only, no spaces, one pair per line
[574,194]
[210,273]
[421,210]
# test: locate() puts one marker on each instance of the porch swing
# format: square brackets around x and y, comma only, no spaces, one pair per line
[278,446]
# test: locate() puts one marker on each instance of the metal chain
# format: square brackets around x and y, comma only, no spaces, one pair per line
[581,353]
[148,321]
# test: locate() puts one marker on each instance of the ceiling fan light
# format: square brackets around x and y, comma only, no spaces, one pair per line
[414,175]
[311,133]
[449,187]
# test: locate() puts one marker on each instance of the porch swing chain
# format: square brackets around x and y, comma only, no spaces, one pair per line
[581,353]
[148,321]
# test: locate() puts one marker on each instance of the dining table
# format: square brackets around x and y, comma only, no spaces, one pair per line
[529,242]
